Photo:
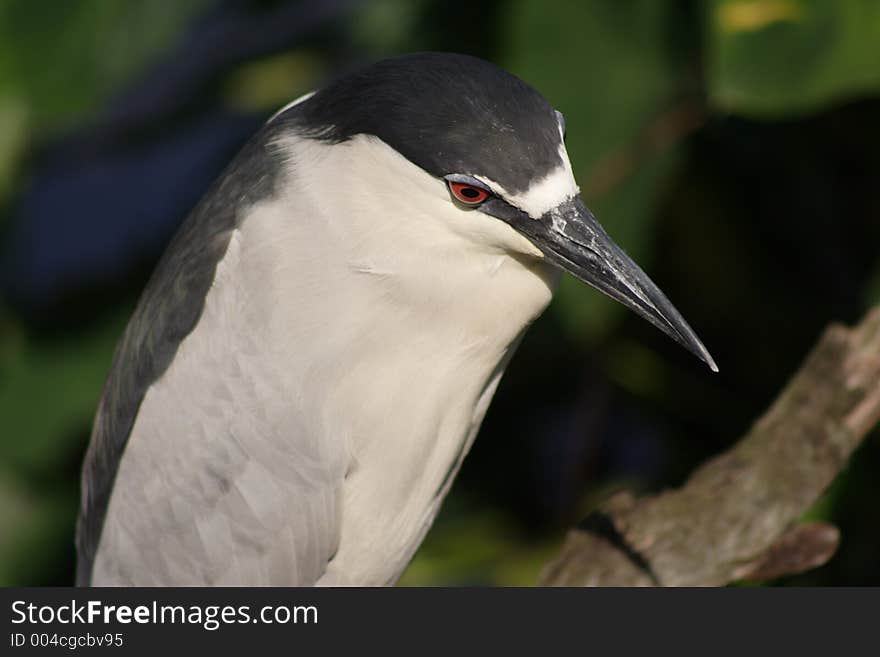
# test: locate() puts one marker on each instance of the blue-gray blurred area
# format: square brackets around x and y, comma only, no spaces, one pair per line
[731,146]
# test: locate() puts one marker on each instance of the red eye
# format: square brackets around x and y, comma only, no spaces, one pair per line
[468,194]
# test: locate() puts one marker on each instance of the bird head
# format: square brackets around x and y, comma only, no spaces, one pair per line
[486,153]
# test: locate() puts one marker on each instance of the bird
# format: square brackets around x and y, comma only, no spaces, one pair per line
[313,355]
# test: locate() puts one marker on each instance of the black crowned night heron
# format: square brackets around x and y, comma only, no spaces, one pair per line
[312,358]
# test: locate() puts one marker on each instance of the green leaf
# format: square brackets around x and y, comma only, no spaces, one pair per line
[773,58]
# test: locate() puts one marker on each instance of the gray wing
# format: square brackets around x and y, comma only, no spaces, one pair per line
[169,309]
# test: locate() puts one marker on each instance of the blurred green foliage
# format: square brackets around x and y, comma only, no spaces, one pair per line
[61,62]
[782,57]
[635,80]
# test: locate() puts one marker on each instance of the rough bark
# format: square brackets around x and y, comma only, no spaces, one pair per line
[737,516]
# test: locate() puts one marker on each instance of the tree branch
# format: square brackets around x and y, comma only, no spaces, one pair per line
[736,517]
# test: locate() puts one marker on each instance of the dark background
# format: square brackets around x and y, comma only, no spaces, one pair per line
[731,146]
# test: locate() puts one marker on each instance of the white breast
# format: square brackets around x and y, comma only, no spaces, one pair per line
[308,426]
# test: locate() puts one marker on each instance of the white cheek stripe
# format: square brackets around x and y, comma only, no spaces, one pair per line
[556,187]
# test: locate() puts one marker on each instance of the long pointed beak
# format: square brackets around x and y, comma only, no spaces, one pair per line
[571,238]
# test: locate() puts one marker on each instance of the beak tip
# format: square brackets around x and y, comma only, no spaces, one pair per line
[706,357]
[581,247]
